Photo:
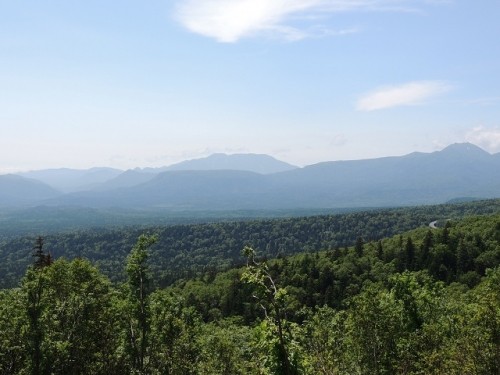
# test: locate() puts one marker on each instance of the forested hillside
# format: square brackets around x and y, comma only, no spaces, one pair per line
[460,252]
[188,250]
[425,301]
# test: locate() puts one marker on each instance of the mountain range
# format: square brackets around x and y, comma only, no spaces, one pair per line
[250,181]
[72,180]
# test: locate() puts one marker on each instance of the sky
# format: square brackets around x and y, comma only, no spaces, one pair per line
[129,84]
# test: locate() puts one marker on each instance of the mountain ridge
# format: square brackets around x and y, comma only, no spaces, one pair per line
[259,163]
[459,170]
[70,180]
[18,191]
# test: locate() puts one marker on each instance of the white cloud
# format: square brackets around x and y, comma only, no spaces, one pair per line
[406,94]
[487,138]
[230,20]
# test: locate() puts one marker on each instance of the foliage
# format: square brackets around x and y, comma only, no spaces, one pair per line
[60,321]
[186,251]
[275,331]
[138,304]
[421,302]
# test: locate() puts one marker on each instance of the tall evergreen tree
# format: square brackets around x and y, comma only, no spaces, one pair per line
[42,259]
[34,284]
[426,249]
[409,254]
[359,247]
[380,250]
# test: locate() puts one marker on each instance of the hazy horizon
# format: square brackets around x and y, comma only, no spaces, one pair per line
[233,154]
[128,84]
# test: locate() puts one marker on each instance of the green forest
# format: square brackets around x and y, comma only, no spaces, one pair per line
[185,251]
[378,292]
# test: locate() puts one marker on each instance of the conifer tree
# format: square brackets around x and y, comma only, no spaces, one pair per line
[409,254]
[359,247]
[34,285]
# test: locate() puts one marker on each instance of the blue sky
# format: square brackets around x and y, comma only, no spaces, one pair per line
[149,83]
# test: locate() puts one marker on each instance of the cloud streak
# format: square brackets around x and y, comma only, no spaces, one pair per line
[487,138]
[230,20]
[411,93]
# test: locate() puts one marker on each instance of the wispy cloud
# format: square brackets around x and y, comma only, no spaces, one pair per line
[485,137]
[405,94]
[230,20]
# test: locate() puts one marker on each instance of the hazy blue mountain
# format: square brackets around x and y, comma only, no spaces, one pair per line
[129,178]
[151,170]
[465,151]
[18,191]
[460,170]
[101,179]
[258,163]
[70,180]
[190,190]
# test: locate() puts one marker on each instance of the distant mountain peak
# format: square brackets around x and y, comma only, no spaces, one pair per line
[258,163]
[464,148]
